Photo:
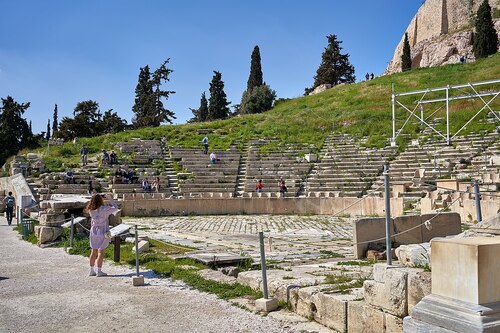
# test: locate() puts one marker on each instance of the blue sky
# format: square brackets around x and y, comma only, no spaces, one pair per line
[64,52]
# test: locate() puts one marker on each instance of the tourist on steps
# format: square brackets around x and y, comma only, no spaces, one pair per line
[99,240]
[259,186]
[204,142]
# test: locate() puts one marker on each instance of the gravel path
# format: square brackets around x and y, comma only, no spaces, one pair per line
[47,290]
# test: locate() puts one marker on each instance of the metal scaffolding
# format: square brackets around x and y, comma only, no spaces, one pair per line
[491,91]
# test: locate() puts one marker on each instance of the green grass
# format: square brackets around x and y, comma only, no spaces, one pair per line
[157,260]
[361,109]
[357,263]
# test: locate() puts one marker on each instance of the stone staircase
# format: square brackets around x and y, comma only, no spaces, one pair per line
[242,171]
[345,168]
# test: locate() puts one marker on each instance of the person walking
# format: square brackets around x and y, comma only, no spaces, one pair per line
[84,152]
[10,204]
[99,214]
[205,145]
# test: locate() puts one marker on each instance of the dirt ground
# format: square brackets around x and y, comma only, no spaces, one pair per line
[47,290]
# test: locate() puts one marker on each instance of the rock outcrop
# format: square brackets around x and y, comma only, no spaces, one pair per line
[442,32]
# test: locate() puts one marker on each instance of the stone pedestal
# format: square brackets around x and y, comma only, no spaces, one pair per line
[465,288]
[266,304]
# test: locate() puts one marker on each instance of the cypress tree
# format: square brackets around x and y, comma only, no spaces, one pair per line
[335,67]
[255,78]
[258,97]
[406,56]
[144,99]
[203,110]
[47,134]
[200,114]
[55,124]
[486,38]
[218,104]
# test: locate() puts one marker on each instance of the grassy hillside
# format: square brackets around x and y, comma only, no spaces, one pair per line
[362,109]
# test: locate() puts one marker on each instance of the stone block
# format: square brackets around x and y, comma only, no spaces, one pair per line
[142,246]
[362,318]
[138,280]
[413,255]
[216,276]
[466,269]
[51,219]
[390,294]
[266,304]
[331,310]
[419,286]
[48,234]
[443,225]
[393,324]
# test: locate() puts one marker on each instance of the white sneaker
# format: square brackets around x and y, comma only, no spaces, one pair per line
[101,273]
[92,273]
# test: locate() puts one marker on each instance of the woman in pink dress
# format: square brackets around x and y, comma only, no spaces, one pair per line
[99,214]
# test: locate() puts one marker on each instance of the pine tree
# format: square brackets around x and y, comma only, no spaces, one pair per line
[148,107]
[218,104]
[255,79]
[257,100]
[335,67]
[406,56]
[47,134]
[486,38]
[161,114]
[14,130]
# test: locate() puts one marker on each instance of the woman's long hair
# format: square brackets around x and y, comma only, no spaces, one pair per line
[95,202]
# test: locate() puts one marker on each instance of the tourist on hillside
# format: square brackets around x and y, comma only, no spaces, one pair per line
[113,158]
[156,185]
[282,186]
[118,178]
[146,185]
[84,152]
[259,187]
[372,76]
[213,157]
[132,177]
[205,145]
[163,143]
[367,76]
[10,204]
[104,158]
[69,177]
[99,230]
[91,188]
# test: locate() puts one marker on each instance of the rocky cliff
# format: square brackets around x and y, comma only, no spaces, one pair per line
[441,33]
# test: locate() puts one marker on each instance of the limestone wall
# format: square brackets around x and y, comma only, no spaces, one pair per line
[157,205]
[435,19]
[18,185]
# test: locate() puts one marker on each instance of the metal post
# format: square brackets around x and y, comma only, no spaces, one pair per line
[136,251]
[393,101]
[116,245]
[448,116]
[263,265]
[422,115]
[387,215]
[71,231]
[478,201]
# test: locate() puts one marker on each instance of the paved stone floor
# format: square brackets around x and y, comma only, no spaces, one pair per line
[287,237]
